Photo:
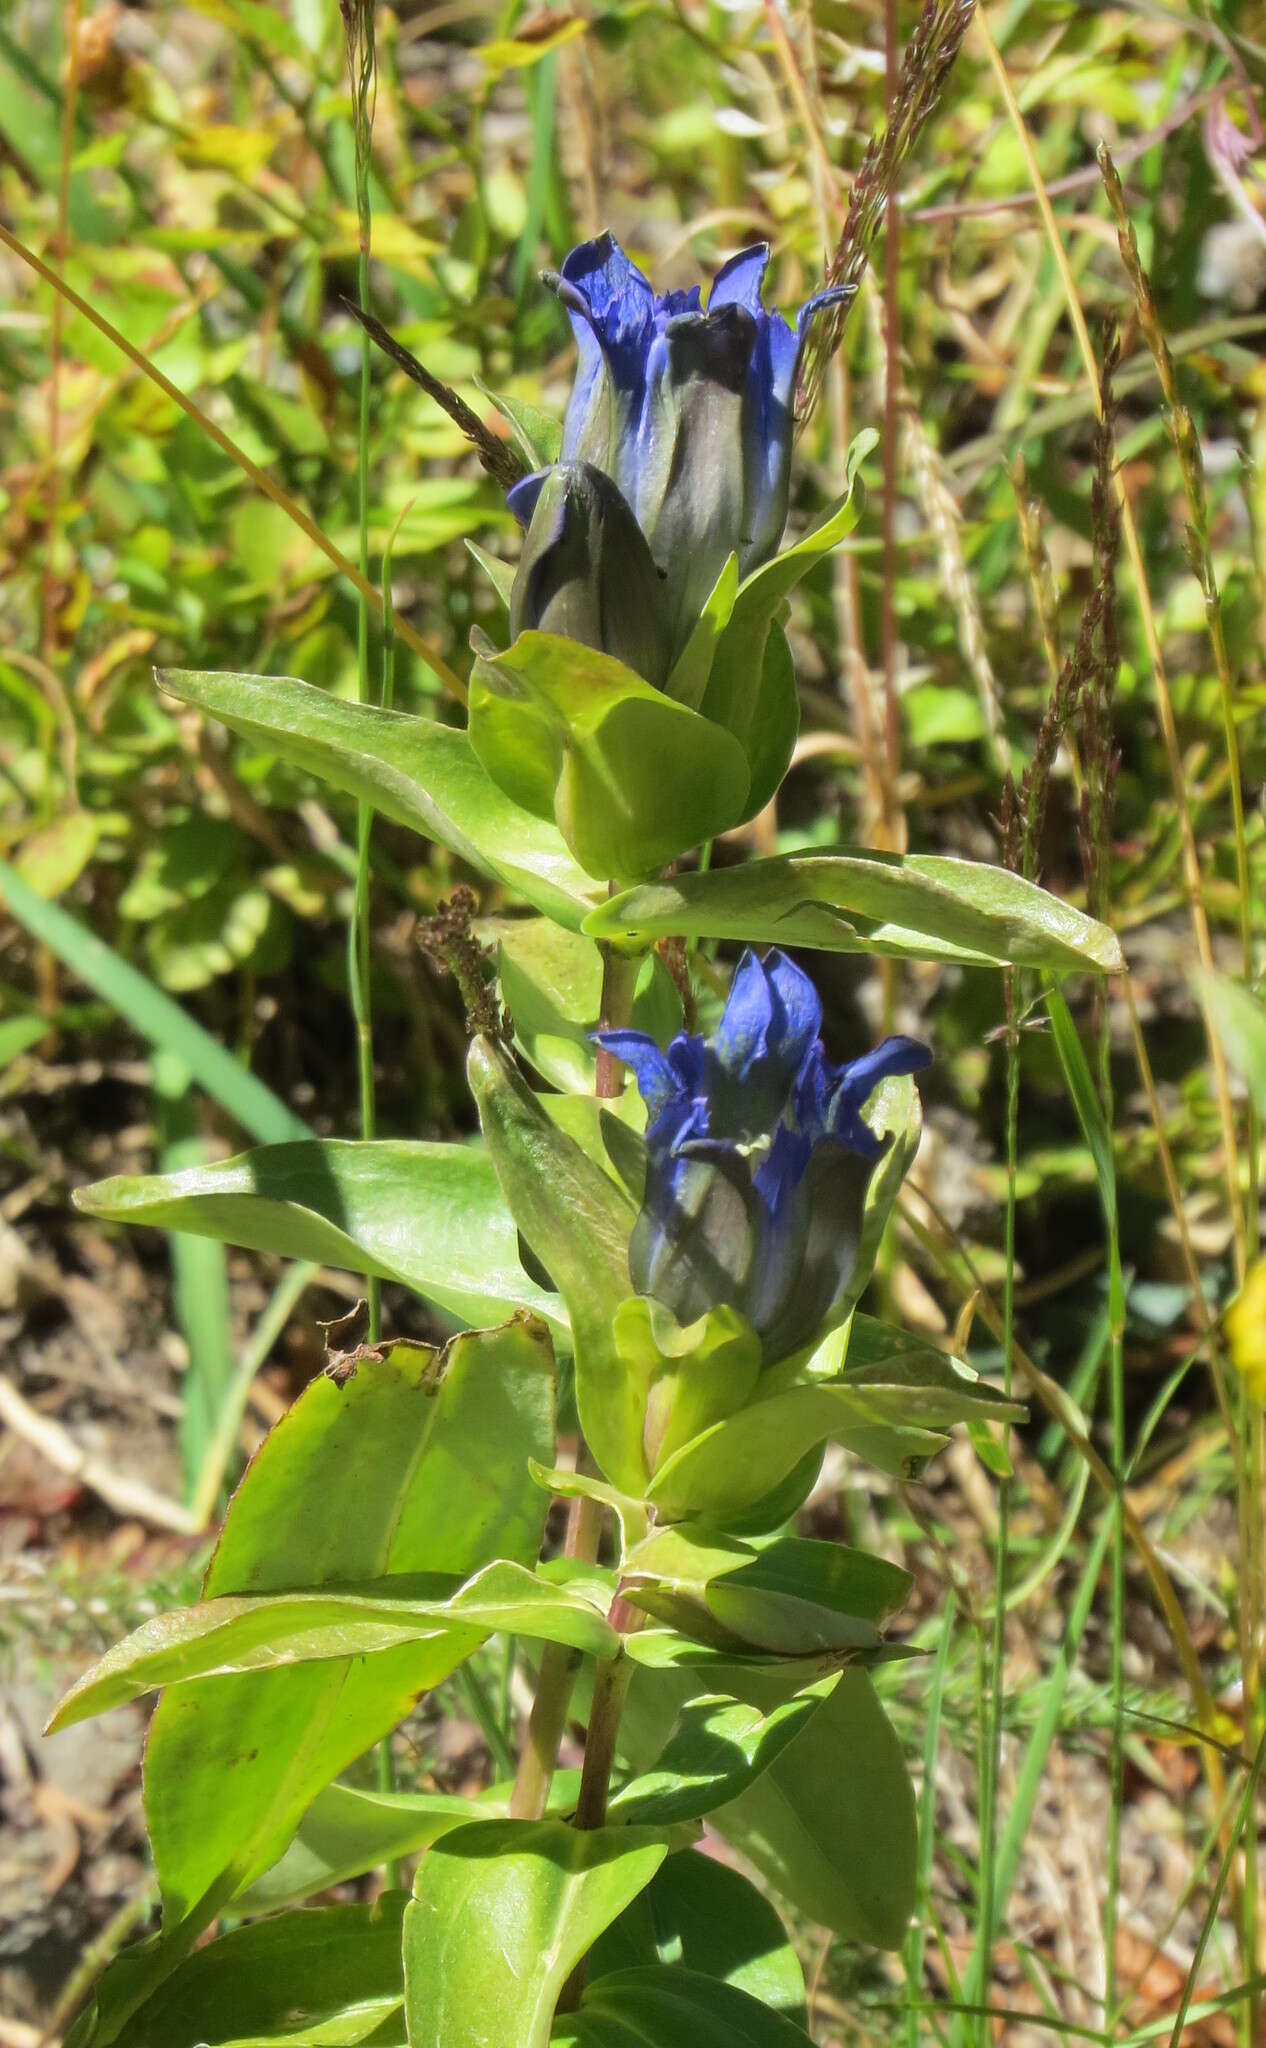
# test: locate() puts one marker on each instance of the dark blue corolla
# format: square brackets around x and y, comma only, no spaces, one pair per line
[689,412]
[757,1158]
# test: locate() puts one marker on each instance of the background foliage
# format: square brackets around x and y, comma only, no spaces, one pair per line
[189,171]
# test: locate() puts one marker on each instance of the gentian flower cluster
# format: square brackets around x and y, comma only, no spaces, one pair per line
[689,414]
[758,1158]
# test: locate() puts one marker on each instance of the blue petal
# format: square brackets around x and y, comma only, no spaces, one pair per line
[852,1087]
[656,1082]
[743,1032]
[522,497]
[670,305]
[783,1166]
[611,308]
[687,1057]
[694,1241]
[782,1223]
[797,1016]
[768,424]
[739,282]
[614,291]
[834,295]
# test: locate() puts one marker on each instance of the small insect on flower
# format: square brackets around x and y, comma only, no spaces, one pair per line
[688,412]
[758,1158]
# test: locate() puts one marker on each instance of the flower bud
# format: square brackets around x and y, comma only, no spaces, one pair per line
[586,572]
[690,413]
[758,1160]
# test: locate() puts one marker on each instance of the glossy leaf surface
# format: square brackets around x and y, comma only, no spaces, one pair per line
[413,770]
[501,1913]
[668,2008]
[266,1631]
[793,1597]
[577,1222]
[429,1215]
[831,1823]
[631,778]
[719,1747]
[551,983]
[919,906]
[701,1914]
[349,1829]
[416,1463]
[331,1976]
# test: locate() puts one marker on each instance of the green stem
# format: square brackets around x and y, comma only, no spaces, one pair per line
[387,1783]
[359,937]
[1116,1371]
[559,1665]
[489,1726]
[992,1756]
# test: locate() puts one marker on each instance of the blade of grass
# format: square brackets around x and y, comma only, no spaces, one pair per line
[199,1277]
[917,1937]
[219,1450]
[249,1101]
[1151,638]
[1215,1900]
[358,22]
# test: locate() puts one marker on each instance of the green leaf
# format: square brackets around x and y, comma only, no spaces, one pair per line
[736,681]
[688,1378]
[793,1598]
[693,666]
[415,1463]
[537,435]
[349,1830]
[737,1462]
[775,723]
[332,1975]
[887,1408]
[19,1034]
[429,1215]
[184,863]
[551,983]
[568,1485]
[52,861]
[831,1823]
[414,771]
[719,1746]
[236,924]
[631,778]
[698,1913]
[917,905]
[146,1008]
[1094,1124]
[502,1912]
[577,1221]
[266,1631]
[667,2008]
[499,574]
[1241,1023]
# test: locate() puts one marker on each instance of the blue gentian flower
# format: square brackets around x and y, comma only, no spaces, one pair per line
[758,1158]
[689,412]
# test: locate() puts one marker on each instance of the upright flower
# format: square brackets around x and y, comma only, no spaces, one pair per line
[688,411]
[758,1158]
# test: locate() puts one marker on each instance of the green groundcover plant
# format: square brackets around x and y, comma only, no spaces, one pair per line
[663,1230]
